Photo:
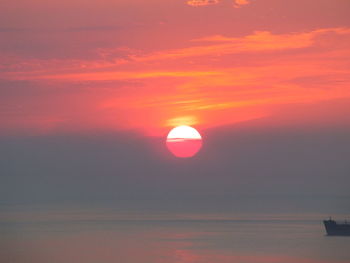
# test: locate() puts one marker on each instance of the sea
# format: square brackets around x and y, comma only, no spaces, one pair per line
[71,235]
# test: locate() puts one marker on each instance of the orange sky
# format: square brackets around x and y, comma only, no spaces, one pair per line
[150,65]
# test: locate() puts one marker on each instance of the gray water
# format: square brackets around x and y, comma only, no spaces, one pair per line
[59,236]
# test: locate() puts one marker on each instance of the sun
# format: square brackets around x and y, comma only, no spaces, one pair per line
[184,141]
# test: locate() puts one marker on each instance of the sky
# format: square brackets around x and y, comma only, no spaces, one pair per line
[89,90]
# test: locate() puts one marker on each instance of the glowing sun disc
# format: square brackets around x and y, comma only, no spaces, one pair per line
[184,141]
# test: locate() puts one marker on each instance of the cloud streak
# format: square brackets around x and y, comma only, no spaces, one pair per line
[197,3]
[206,82]
[239,3]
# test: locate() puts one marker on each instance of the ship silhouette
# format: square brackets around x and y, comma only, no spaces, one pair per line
[334,228]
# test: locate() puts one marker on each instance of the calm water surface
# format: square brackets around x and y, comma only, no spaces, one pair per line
[108,240]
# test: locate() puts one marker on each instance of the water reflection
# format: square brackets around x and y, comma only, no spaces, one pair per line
[169,241]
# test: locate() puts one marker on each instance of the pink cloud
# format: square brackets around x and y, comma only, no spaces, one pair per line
[202,2]
[236,3]
[211,81]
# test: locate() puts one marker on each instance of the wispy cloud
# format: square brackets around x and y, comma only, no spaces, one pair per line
[216,46]
[202,2]
[236,3]
[216,80]
[239,3]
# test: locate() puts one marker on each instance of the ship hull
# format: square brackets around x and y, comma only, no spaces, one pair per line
[335,229]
